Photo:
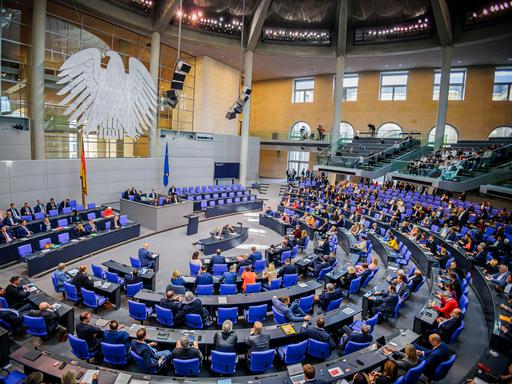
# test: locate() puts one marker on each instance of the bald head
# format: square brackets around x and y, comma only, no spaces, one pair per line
[146,245]
[44,306]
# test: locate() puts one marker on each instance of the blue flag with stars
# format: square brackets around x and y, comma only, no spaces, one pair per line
[166,166]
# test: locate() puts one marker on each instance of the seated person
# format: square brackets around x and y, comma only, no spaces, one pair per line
[287,269]
[6,236]
[438,354]
[301,241]
[90,333]
[385,302]
[257,341]
[186,350]
[195,259]
[255,255]
[9,220]
[192,305]
[363,336]
[46,225]
[269,274]
[108,212]
[116,223]
[51,205]
[388,375]
[217,258]
[317,332]
[115,336]
[248,277]
[392,242]
[153,359]
[405,360]
[291,311]
[416,279]
[79,230]
[499,279]
[402,289]
[12,317]
[81,279]
[228,230]
[40,206]
[61,277]
[348,277]
[323,263]
[268,211]
[225,340]
[448,304]
[147,258]
[26,210]
[446,327]
[204,277]
[16,295]
[63,204]
[310,373]
[230,276]
[132,278]
[329,295]
[23,230]
[170,302]
[90,227]
[177,279]
[244,262]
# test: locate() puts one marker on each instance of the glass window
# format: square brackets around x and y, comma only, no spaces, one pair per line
[501,132]
[298,160]
[303,90]
[300,131]
[451,136]
[457,84]
[393,85]
[350,83]
[502,84]
[346,131]
[389,130]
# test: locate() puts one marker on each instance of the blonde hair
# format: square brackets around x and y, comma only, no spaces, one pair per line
[227,326]
[68,378]
[176,274]
[375,261]
[410,352]
[271,267]
[351,270]
[61,266]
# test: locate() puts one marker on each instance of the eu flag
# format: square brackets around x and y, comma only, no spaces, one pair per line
[166,166]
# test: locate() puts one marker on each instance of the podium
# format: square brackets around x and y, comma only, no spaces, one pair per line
[193,224]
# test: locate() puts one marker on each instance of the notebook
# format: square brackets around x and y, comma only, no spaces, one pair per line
[288,329]
[123,378]
[32,355]
[88,376]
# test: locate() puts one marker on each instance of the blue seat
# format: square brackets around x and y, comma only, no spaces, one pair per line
[62,222]
[319,349]
[194,269]
[53,212]
[306,303]
[91,216]
[413,375]
[443,368]
[14,377]
[259,266]
[227,314]
[255,313]
[80,348]
[368,279]
[463,302]
[278,316]
[323,272]
[38,215]
[293,353]
[3,303]
[289,280]
[91,299]
[423,279]
[276,283]
[285,255]
[55,284]
[139,311]
[63,237]
[358,324]
[114,354]
[164,316]
[456,333]
[70,292]
[294,251]
[43,242]
[135,262]
[253,288]
[352,346]
[132,289]
[306,243]
[219,269]
[206,289]
[140,363]
[260,362]
[24,250]
[194,321]
[114,278]
[397,307]
[354,286]
[91,205]
[97,271]
[188,367]
[223,362]
[36,326]
[333,304]
[228,289]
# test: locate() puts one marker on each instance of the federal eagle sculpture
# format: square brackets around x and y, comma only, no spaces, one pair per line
[108,101]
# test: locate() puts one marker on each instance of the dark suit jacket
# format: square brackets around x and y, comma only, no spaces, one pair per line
[147,353]
[10,318]
[288,269]
[26,211]
[39,208]
[130,279]
[218,259]
[2,237]
[359,337]
[82,280]
[318,334]
[23,232]
[15,296]
[50,318]
[446,328]
[386,304]
[255,256]
[14,211]
[87,332]
[194,307]
[50,206]
[258,342]
[320,266]
[434,357]
[325,298]
[204,279]
[145,257]
[117,337]
[9,221]
[173,305]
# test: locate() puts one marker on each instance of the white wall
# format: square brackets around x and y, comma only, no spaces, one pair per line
[14,143]
[216,89]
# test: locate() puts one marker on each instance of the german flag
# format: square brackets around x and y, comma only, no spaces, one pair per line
[83,171]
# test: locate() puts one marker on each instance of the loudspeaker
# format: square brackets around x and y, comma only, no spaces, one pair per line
[172,98]
[182,66]
[238,107]
[230,115]
[177,85]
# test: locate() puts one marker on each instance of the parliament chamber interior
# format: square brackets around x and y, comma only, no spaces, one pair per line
[256,191]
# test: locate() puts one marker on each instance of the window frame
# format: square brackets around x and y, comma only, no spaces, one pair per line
[383,74]
[453,70]
[295,100]
[344,89]
[301,164]
[509,85]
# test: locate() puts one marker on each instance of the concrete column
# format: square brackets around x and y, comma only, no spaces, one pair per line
[154,66]
[338,97]
[244,145]
[442,105]
[37,136]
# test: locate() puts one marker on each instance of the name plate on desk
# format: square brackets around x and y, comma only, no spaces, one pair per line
[223,300]
[348,311]
[302,285]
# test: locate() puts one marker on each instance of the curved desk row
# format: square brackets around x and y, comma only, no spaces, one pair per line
[274,224]
[35,225]
[240,300]
[211,244]
[228,209]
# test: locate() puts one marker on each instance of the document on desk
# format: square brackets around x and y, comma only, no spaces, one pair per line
[139,382]
[302,285]
[223,300]
[88,376]
[348,311]
[123,378]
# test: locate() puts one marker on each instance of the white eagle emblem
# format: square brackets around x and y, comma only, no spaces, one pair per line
[108,101]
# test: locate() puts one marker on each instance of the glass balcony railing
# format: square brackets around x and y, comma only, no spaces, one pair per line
[285,136]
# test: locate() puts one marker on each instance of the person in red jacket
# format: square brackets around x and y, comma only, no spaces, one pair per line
[448,304]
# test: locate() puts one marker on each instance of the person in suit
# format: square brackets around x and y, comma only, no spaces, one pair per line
[349,276]
[225,340]
[192,305]
[16,295]
[177,279]
[46,226]
[229,277]
[402,289]
[6,235]
[9,220]
[255,255]
[14,211]
[217,259]
[385,302]
[115,336]
[448,304]
[170,302]
[172,190]
[63,204]
[133,277]
[480,255]
[257,341]
[500,278]
[363,336]
[405,360]
[446,327]
[186,350]
[50,206]
[309,375]
[40,207]
[51,318]
[79,230]
[438,354]
[23,230]
[26,210]
[314,271]
[291,311]
[152,195]
[81,279]
[152,359]
[329,295]
[317,332]
[61,277]
[287,269]
[13,318]
[90,333]
[146,257]
[416,279]
[90,227]
[204,277]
